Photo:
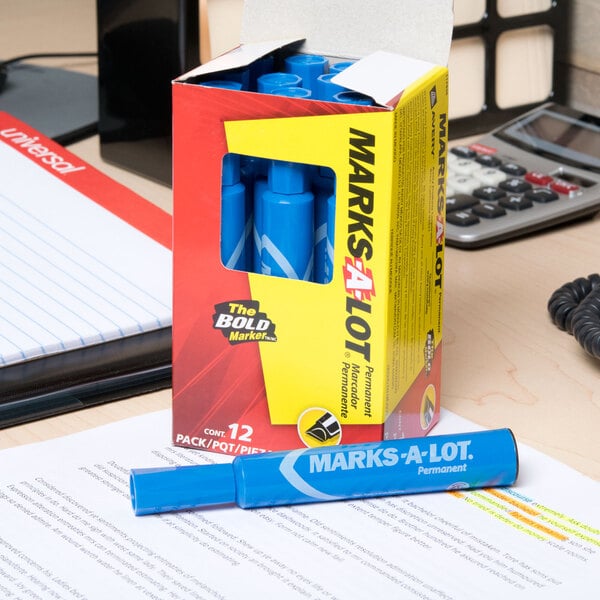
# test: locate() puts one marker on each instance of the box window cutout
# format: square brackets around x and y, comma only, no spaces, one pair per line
[277,218]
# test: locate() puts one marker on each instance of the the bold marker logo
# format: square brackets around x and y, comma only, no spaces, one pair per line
[241,321]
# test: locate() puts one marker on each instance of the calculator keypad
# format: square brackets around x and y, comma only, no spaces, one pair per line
[485,190]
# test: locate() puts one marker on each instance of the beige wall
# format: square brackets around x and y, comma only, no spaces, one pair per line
[37,26]
[47,25]
[585,55]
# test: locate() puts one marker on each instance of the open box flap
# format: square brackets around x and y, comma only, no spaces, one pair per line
[396,42]
[371,76]
[241,56]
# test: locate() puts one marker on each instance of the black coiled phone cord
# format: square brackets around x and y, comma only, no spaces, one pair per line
[575,308]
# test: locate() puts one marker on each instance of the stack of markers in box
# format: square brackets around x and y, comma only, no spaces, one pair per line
[277,217]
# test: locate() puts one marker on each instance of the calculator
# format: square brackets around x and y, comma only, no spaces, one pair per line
[538,170]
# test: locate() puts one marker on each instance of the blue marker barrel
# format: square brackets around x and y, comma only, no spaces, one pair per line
[308,67]
[324,189]
[392,467]
[287,222]
[269,81]
[254,177]
[260,187]
[234,228]
[330,242]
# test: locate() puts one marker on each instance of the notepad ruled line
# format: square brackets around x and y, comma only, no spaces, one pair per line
[73,259]
[72,274]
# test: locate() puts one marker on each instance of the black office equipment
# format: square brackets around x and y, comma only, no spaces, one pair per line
[142,46]
[575,308]
[59,103]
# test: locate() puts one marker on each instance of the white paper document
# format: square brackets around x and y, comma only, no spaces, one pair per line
[67,530]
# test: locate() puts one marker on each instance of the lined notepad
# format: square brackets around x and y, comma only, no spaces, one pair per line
[72,273]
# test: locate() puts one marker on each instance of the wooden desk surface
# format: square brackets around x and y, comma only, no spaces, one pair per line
[504,363]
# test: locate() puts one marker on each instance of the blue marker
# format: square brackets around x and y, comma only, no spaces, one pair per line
[308,67]
[393,467]
[254,177]
[234,221]
[325,89]
[324,186]
[291,92]
[241,75]
[269,81]
[350,97]
[340,66]
[287,222]
[260,187]
[330,238]
[258,68]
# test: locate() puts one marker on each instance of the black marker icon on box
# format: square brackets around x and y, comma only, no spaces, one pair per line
[325,428]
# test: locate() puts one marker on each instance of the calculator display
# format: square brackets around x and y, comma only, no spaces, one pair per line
[565,137]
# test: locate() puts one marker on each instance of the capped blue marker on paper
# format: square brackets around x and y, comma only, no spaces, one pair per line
[291,92]
[393,467]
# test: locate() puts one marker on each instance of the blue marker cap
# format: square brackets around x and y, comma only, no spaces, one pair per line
[260,67]
[351,97]
[242,75]
[287,177]
[231,169]
[308,66]
[268,81]
[179,488]
[326,89]
[324,474]
[291,92]
[340,66]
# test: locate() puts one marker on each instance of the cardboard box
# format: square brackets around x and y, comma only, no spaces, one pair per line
[263,362]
